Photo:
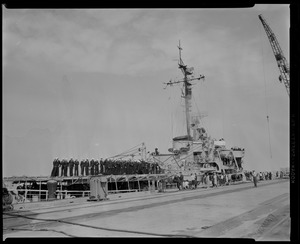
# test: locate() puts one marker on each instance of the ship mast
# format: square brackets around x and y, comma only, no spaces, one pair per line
[187,77]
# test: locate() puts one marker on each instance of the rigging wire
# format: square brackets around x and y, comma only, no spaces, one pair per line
[172,107]
[265,86]
[175,105]
[184,125]
[198,111]
[223,120]
[180,126]
[127,151]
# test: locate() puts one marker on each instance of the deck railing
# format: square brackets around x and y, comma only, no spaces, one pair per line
[33,195]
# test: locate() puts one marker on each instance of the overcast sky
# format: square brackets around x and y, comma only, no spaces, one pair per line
[89,83]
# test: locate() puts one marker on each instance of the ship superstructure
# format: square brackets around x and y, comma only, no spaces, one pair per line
[197,152]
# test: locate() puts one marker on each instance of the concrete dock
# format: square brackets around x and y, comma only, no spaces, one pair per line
[235,211]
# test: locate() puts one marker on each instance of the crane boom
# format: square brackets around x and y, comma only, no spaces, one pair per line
[280,59]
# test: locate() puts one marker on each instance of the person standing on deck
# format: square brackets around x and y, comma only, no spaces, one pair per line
[87,165]
[82,164]
[66,168]
[62,168]
[56,173]
[92,167]
[114,167]
[54,167]
[76,163]
[96,167]
[71,166]
[101,166]
[106,166]
[158,169]
[58,166]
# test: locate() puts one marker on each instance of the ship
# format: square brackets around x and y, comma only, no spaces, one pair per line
[194,153]
[197,152]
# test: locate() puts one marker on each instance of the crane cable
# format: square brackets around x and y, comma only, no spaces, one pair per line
[171,96]
[265,85]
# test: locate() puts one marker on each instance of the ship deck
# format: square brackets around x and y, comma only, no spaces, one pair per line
[72,179]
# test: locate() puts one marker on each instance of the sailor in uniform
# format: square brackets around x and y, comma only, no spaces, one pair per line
[76,163]
[82,164]
[87,165]
[96,165]
[92,166]
[71,166]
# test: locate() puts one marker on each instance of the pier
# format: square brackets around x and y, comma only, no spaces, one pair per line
[235,211]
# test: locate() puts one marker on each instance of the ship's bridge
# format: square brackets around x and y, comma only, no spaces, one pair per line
[220,143]
[238,152]
[182,143]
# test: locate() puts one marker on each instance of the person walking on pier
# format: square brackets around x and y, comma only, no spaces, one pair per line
[181,178]
[215,180]
[202,179]
[177,181]
[196,181]
[226,179]
[270,175]
[255,176]
[206,180]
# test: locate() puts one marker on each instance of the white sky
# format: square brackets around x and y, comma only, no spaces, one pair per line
[89,83]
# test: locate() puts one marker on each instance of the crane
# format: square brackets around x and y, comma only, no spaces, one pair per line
[280,59]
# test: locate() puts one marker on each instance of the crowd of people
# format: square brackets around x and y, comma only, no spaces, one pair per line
[216,179]
[260,176]
[264,175]
[237,149]
[88,167]
[207,180]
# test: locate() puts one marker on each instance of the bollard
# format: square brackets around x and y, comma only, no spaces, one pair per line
[51,185]
[98,188]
